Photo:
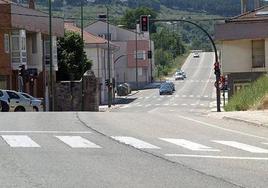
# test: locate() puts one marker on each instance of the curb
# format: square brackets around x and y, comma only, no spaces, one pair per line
[245,121]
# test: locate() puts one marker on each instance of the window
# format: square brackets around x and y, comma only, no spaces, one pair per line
[15,43]
[141,55]
[1,94]
[6,42]
[12,95]
[258,53]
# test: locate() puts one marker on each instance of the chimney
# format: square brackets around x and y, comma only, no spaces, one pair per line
[31,4]
[244,6]
[256,4]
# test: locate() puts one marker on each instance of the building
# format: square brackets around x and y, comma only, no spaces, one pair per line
[96,49]
[24,40]
[243,46]
[125,59]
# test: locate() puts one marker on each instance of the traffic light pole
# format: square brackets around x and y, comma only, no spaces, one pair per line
[109,61]
[51,94]
[218,74]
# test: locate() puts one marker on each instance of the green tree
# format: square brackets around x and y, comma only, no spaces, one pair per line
[71,55]
[131,16]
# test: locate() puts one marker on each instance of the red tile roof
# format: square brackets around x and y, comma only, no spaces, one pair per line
[88,37]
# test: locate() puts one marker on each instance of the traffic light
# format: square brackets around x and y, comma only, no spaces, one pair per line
[149,54]
[107,82]
[217,70]
[144,22]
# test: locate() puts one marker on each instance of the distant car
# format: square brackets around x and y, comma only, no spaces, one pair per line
[36,103]
[196,55]
[181,71]
[179,76]
[165,89]
[171,84]
[17,102]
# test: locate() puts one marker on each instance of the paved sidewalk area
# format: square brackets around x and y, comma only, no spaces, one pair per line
[257,118]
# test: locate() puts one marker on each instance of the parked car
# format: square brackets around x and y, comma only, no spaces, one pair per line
[171,84]
[165,89]
[179,76]
[36,103]
[17,102]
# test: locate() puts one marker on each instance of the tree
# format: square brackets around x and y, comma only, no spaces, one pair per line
[71,55]
[131,16]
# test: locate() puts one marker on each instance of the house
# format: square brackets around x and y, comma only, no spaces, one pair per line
[126,66]
[96,49]
[24,40]
[243,47]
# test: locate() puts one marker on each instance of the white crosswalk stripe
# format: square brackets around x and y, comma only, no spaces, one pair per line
[241,146]
[188,144]
[135,142]
[20,141]
[77,142]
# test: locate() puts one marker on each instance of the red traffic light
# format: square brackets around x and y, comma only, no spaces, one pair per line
[144,22]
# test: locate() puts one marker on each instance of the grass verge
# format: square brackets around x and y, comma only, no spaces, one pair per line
[249,97]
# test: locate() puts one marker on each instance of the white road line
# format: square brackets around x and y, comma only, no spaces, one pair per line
[140,105]
[241,146]
[157,104]
[147,105]
[188,144]
[202,104]
[166,104]
[217,157]
[135,142]
[193,104]
[48,132]
[206,96]
[265,143]
[191,96]
[175,104]
[154,96]
[20,141]
[77,142]
[177,96]
[147,97]
[184,96]
[184,104]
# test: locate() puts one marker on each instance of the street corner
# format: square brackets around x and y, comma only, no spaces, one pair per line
[255,118]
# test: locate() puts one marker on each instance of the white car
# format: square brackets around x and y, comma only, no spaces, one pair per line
[196,55]
[179,76]
[17,102]
[36,103]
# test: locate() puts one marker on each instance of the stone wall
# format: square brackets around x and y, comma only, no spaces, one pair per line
[68,94]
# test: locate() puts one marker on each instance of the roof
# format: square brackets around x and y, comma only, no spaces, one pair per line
[88,37]
[258,14]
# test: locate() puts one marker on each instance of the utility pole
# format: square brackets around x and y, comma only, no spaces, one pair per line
[51,95]
[136,57]
[82,58]
[109,61]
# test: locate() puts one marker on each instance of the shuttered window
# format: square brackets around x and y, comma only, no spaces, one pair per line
[258,53]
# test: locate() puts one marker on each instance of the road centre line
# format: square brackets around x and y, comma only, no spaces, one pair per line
[241,146]
[221,128]
[216,157]
[49,132]
[135,142]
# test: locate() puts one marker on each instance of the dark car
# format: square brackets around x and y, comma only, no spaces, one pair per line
[4,106]
[171,84]
[165,89]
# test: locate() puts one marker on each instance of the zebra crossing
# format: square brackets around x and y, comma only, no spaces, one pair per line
[74,142]
[177,96]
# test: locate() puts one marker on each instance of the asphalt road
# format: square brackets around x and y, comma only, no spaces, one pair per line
[194,94]
[139,145]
